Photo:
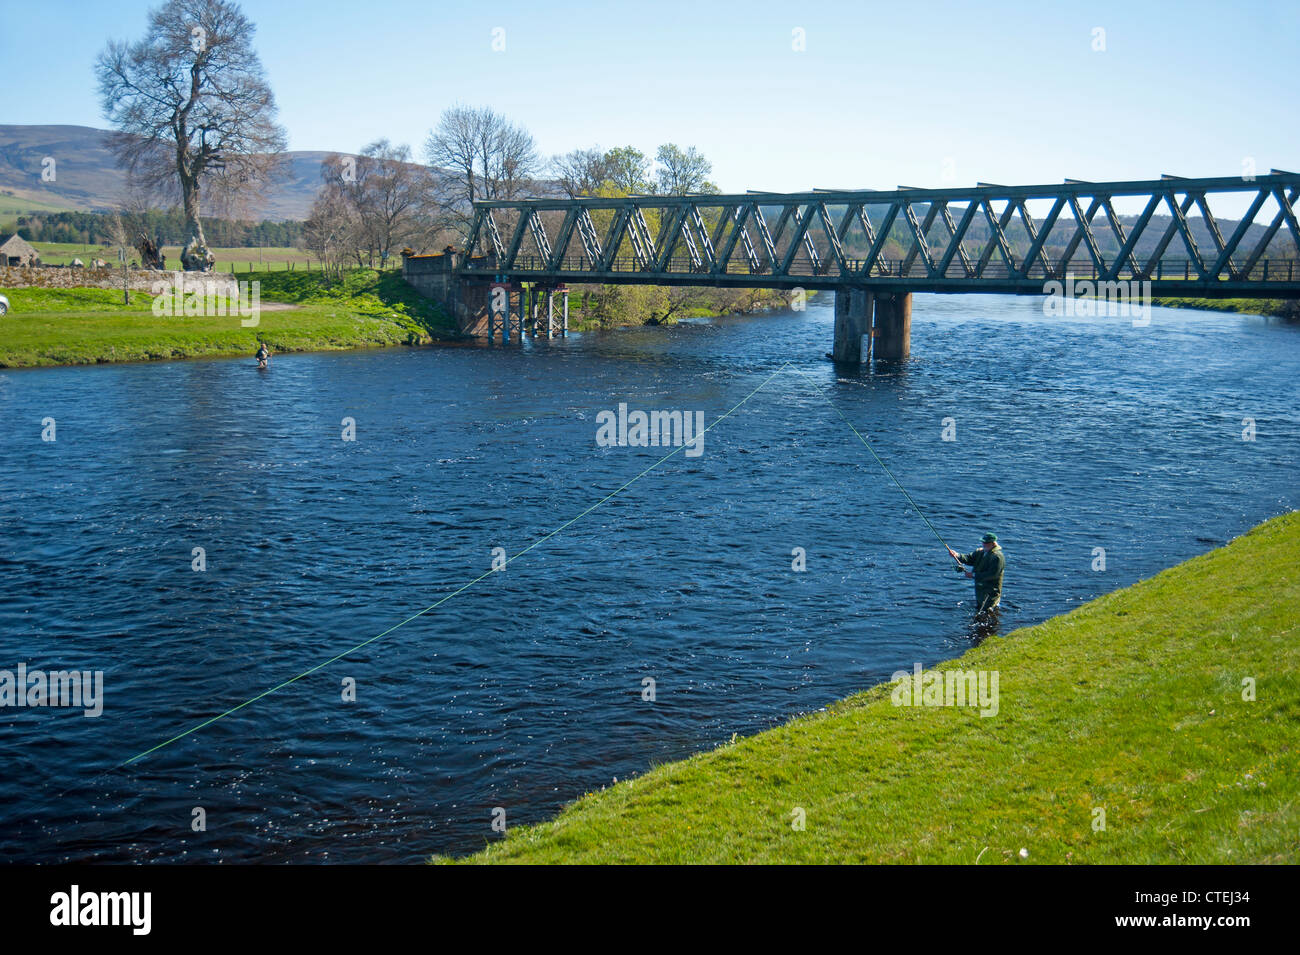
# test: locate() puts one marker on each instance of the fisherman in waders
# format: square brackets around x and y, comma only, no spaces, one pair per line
[987,564]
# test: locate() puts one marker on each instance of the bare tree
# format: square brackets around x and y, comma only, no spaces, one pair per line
[333,226]
[391,203]
[382,195]
[682,171]
[476,153]
[192,108]
[330,230]
[128,228]
[452,153]
[581,172]
[512,160]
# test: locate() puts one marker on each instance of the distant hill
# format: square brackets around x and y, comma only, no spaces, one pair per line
[87,177]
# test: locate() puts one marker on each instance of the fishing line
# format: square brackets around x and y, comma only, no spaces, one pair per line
[461,589]
[882,464]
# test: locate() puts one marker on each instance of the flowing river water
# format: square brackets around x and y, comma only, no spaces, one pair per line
[525,689]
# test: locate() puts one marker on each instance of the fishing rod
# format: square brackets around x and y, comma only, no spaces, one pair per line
[867,444]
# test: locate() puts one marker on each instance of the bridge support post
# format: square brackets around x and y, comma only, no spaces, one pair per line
[564,299]
[892,331]
[550,313]
[852,321]
[523,307]
[505,318]
[497,318]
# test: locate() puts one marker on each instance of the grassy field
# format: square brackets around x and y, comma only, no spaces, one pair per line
[12,206]
[236,260]
[89,326]
[1131,704]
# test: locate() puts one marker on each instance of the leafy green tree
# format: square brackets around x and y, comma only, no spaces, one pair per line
[627,171]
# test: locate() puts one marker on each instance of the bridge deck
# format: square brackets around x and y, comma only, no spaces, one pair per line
[1269,279]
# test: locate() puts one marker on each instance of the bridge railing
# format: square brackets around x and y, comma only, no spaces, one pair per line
[1265,270]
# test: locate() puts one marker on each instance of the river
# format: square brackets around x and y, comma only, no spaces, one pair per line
[525,690]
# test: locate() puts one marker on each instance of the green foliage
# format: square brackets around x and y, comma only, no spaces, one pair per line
[611,306]
[628,171]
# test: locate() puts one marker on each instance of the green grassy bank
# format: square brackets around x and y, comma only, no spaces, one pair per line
[1279,307]
[1132,704]
[300,311]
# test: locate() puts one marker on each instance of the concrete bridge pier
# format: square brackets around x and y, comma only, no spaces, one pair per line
[886,318]
[892,327]
[852,321]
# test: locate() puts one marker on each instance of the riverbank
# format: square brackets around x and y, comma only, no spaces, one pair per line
[300,311]
[623,306]
[1122,734]
[1273,307]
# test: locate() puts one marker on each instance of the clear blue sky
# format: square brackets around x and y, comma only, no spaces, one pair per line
[890,93]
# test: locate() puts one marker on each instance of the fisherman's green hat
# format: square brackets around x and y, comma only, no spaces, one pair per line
[990,538]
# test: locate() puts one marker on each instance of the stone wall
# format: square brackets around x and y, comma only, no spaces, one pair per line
[139,280]
[434,276]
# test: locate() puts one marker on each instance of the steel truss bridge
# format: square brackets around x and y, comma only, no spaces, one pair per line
[976,239]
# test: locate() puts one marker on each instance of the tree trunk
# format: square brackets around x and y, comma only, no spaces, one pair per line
[193,227]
